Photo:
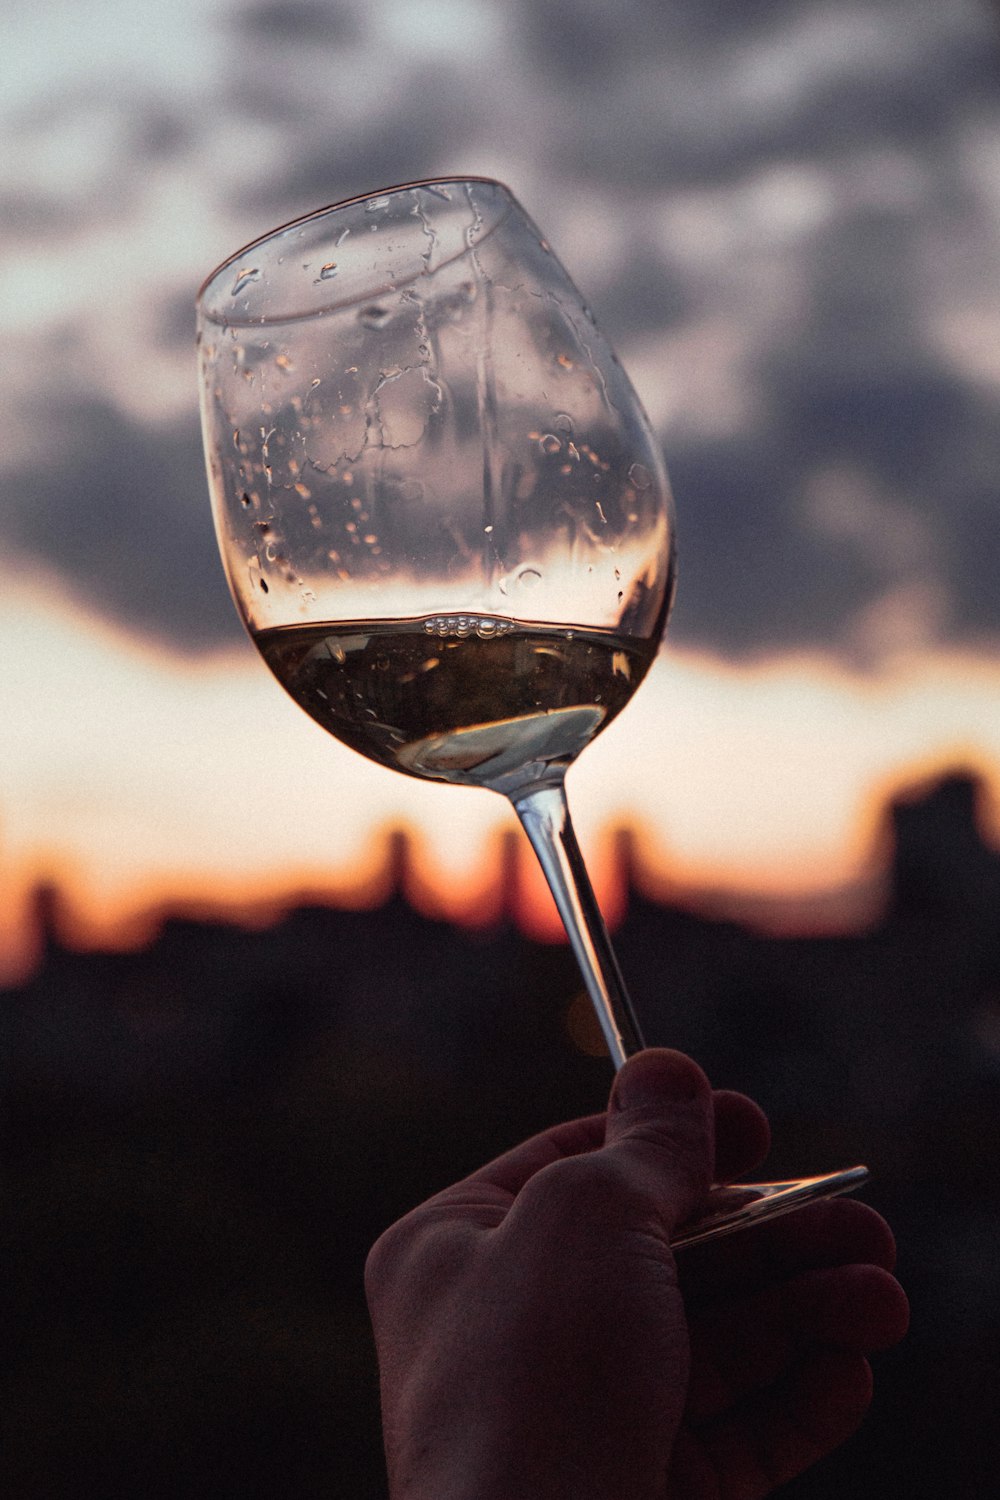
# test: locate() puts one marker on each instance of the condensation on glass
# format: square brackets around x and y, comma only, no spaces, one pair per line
[409,383]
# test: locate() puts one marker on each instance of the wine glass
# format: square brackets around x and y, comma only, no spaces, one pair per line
[445,521]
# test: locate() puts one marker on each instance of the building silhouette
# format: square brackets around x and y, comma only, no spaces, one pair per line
[203,1138]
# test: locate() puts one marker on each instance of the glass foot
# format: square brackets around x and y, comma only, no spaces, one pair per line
[742,1204]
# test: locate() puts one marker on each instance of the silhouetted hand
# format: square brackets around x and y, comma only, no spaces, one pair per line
[537,1339]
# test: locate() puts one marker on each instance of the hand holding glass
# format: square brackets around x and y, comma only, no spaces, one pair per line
[445,520]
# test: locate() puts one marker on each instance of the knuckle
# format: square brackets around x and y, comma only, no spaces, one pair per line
[388,1257]
[416,1259]
[595,1185]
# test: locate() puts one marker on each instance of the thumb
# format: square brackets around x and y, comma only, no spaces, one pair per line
[661,1121]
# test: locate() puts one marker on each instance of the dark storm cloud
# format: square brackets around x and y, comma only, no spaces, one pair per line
[668,97]
[121,509]
[409,136]
[29,215]
[308,22]
[746,581]
[857,385]
[264,77]
[754,576]
[138,128]
[640,109]
[159,130]
[644,295]
[855,391]
[580,39]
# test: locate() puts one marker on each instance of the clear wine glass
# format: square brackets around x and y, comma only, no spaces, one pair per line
[445,521]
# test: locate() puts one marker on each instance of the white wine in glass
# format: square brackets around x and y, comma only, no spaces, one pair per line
[445,520]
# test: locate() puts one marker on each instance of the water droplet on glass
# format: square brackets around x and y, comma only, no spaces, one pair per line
[374,204]
[374,316]
[549,443]
[563,423]
[488,530]
[618,574]
[244,278]
[342,237]
[468,290]
[283,361]
[640,476]
[529,578]
[411,489]
[245,500]
[565,361]
[600,512]
[327,272]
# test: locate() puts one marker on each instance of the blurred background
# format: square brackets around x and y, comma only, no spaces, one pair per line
[260,997]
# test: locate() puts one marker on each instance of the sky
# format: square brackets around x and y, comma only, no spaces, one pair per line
[786,217]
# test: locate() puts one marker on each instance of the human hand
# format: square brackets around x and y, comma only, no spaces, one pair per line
[538,1340]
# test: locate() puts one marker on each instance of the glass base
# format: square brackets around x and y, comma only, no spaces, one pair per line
[743,1204]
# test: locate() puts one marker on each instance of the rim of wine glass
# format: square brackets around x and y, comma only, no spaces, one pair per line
[319,213]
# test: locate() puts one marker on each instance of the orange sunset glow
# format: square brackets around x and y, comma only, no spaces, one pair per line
[806,314]
[139,781]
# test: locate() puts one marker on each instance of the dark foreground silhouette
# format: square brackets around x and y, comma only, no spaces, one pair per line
[536,1336]
[201,1142]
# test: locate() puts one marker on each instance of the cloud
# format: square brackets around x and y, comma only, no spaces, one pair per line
[298,22]
[407,134]
[120,509]
[784,212]
[695,95]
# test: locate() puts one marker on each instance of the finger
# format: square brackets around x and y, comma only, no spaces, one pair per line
[778,1434]
[832,1232]
[510,1172]
[514,1168]
[660,1132]
[742,1135]
[742,1346]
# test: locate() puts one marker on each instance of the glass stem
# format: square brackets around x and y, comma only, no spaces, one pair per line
[544,815]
